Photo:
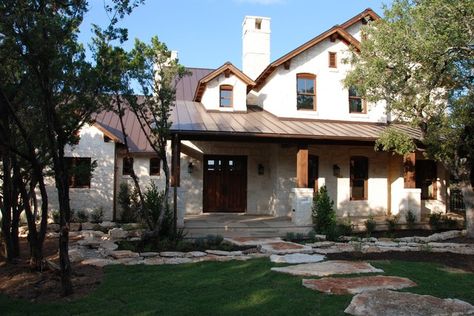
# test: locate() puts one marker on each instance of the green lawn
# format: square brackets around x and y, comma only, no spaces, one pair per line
[230,288]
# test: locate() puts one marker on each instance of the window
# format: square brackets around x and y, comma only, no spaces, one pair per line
[332,60]
[79,172]
[313,171]
[226,96]
[359,177]
[154,166]
[356,102]
[306,92]
[426,176]
[127,166]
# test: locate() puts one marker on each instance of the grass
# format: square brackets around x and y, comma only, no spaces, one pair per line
[228,288]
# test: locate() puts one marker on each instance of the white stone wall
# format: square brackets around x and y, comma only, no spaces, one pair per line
[278,95]
[100,193]
[211,96]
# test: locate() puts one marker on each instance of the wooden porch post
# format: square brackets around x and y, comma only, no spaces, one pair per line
[409,176]
[175,175]
[302,166]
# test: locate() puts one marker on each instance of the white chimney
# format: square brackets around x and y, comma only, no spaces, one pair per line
[255,45]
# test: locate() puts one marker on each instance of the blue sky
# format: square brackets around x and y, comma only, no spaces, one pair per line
[207,33]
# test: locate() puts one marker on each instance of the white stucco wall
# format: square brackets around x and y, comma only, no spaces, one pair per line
[255,45]
[100,193]
[211,96]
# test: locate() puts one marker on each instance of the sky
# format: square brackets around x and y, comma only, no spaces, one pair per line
[208,33]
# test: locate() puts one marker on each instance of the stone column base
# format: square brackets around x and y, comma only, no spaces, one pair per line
[301,206]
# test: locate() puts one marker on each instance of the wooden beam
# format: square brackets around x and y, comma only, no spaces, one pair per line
[302,166]
[287,64]
[175,160]
[409,177]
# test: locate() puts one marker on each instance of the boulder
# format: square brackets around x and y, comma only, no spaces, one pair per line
[386,302]
[195,254]
[149,254]
[284,247]
[341,286]
[172,254]
[75,255]
[120,254]
[295,258]
[90,243]
[108,246]
[107,224]
[154,261]
[91,234]
[327,268]
[74,227]
[88,226]
[98,262]
[177,260]
[224,253]
[450,234]
[53,228]
[118,233]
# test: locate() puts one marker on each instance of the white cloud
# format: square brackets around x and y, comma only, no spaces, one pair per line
[261,2]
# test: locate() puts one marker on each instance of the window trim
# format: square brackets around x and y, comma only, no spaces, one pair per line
[306,76]
[330,64]
[159,166]
[363,101]
[366,179]
[124,173]
[72,177]
[226,87]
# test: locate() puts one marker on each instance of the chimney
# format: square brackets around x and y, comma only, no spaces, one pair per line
[255,45]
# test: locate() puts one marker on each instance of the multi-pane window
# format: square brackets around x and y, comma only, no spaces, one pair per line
[313,170]
[356,102]
[359,174]
[426,178]
[225,96]
[127,166]
[79,172]
[306,92]
[332,60]
[154,166]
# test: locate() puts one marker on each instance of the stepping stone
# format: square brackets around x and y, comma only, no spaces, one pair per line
[252,241]
[296,258]
[327,268]
[284,247]
[340,286]
[386,302]
[121,254]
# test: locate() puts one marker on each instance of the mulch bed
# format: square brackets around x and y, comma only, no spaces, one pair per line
[458,261]
[19,281]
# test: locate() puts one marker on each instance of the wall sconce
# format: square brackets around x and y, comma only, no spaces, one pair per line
[336,170]
[261,169]
[190,167]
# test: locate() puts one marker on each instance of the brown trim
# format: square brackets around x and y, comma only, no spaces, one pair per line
[308,76]
[409,175]
[107,133]
[175,160]
[356,97]
[366,178]
[366,13]
[226,87]
[332,59]
[227,68]
[302,166]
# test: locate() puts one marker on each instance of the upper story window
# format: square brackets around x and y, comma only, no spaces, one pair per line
[426,179]
[226,92]
[79,172]
[332,60]
[359,174]
[306,92]
[356,102]
[154,166]
[127,166]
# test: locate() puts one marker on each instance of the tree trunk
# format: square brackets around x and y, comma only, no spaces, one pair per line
[468,198]
[7,207]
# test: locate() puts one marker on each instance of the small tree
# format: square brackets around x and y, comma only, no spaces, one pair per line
[324,216]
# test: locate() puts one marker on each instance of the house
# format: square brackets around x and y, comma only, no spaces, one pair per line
[260,140]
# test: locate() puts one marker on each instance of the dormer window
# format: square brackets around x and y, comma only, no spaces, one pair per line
[306,92]
[226,92]
[332,60]
[356,102]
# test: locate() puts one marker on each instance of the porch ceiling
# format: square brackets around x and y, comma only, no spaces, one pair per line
[192,121]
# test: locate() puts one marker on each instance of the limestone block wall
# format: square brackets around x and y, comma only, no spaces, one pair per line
[100,193]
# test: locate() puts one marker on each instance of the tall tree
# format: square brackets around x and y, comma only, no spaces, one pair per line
[419,61]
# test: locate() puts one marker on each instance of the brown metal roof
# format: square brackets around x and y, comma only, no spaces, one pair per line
[190,118]
[186,86]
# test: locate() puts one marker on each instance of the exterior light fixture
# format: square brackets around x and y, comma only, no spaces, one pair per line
[336,170]
[190,167]
[261,169]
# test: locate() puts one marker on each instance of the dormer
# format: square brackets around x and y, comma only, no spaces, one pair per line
[224,89]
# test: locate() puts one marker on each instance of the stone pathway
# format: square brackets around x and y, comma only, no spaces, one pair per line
[284,247]
[327,268]
[386,302]
[296,258]
[340,286]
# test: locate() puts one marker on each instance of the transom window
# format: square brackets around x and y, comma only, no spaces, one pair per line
[226,92]
[356,102]
[426,178]
[79,172]
[359,174]
[306,92]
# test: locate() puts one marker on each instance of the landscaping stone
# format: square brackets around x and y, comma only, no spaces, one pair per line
[107,224]
[74,227]
[120,254]
[149,254]
[88,226]
[90,234]
[108,246]
[90,243]
[75,255]
[195,254]
[386,244]
[285,247]
[52,227]
[296,258]
[224,253]
[118,233]
[321,244]
[130,261]
[154,261]
[341,286]
[177,260]
[251,241]
[327,268]
[98,262]
[450,234]
[171,254]
[386,302]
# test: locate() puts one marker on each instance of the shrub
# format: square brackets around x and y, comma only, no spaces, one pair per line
[436,220]
[97,215]
[410,217]
[345,227]
[370,225]
[392,223]
[128,203]
[55,216]
[153,206]
[324,216]
[290,236]
[82,216]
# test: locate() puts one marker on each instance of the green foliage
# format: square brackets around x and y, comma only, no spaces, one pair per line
[128,201]
[82,216]
[370,225]
[436,220]
[396,141]
[345,227]
[156,211]
[392,222]
[324,216]
[97,215]
[410,218]
[55,216]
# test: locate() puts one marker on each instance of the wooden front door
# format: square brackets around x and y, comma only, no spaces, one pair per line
[225,184]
